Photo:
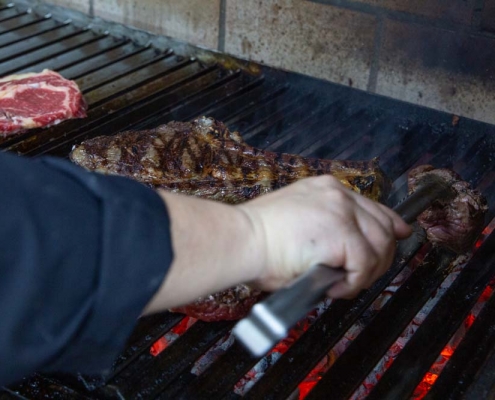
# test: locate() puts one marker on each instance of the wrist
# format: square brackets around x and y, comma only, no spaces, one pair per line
[256,241]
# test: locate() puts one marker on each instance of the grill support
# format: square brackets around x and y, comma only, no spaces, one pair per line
[134,80]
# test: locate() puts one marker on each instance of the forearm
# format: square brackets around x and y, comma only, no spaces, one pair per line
[271,240]
[80,257]
[214,247]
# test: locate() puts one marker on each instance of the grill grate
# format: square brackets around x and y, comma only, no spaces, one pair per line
[133,80]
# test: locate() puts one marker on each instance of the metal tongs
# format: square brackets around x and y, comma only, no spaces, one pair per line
[270,320]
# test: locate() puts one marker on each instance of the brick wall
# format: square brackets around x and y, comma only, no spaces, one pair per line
[438,53]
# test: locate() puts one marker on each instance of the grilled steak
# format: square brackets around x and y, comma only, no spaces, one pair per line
[230,304]
[205,159]
[456,224]
[36,100]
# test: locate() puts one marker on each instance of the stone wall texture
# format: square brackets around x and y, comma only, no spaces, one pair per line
[436,53]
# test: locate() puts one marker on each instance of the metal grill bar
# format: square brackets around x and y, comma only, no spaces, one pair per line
[7,13]
[385,138]
[167,65]
[237,119]
[431,337]
[468,358]
[352,367]
[44,387]
[20,31]
[134,86]
[99,115]
[233,99]
[29,62]
[162,370]
[114,70]
[179,97]
[484,385]
[39,41]
[276,121]
[314,124]
[113,52]
[87,46]
[209,96]
[411,153]
[21,21]
[283,378]
[149,330]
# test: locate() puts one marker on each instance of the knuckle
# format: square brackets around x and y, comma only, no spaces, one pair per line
[389,223]
[339,197]
[325,181]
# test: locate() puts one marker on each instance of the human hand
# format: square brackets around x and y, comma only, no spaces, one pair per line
[319,221]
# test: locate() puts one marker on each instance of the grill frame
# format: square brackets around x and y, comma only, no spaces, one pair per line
[272,109]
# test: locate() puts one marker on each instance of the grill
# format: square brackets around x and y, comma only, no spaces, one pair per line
[134,80]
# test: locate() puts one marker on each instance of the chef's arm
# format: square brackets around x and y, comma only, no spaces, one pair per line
[276,237]
[81,254]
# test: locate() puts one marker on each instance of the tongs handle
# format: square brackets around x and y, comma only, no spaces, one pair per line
[270,320]
[296,300]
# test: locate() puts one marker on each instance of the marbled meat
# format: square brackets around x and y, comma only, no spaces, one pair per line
[35,100]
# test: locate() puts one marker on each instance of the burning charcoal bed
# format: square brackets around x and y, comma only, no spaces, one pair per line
[425,329]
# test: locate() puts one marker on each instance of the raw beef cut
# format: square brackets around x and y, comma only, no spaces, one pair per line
[35,100]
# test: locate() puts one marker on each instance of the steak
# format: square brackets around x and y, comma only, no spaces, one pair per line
[35,100]
[454,224]
[230,304]
[203,158]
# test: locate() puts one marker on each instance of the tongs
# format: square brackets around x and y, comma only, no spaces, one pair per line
[270,320]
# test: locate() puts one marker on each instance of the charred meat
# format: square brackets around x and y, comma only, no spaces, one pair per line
[230,304]
[203,158]
[454,224]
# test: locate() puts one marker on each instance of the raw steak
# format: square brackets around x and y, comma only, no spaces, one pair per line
[456,224]
[36,100]
[205,159]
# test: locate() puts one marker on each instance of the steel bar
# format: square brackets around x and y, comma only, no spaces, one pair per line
[468,357]
[352,367]
[423,348]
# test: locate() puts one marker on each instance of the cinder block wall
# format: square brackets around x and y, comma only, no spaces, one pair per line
[438,53]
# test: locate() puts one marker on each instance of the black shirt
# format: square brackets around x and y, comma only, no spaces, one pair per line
[81,254]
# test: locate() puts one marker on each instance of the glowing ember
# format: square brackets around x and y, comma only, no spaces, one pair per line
[165,341]
[305,388]
[449,349]
[397,347]
[486,232]
[245,384]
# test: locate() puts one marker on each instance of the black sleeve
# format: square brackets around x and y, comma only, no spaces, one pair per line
[80,256]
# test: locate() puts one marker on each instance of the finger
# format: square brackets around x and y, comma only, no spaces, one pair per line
[401,229]
[360,258]
[380,238]
[343,290]
[382,242]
